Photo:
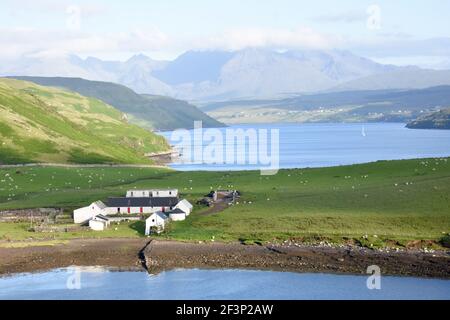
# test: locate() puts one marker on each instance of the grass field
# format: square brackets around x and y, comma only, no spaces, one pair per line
[374,204]
[49,125]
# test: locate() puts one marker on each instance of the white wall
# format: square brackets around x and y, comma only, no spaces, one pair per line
[84,214]
[152,193]
[185,206]
[153,221]
[135,210]
[177,216]
[96,225]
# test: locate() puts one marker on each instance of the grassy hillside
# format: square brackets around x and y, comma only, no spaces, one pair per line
[388,202]
[436,120]
[348,106]
[41,124]
[153,112]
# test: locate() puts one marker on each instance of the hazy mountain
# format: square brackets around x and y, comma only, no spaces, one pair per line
[149,111]
[134,73]
[244,74]
[404,78]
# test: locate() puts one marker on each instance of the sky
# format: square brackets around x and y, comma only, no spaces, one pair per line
[391,31]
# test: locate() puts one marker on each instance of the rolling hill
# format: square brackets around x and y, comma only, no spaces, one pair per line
[50,125]
[435,120]
[148,111]
[347,106]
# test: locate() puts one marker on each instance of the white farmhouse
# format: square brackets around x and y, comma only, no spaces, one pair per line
[83,215]
[142,205]
[152,193]
[185,206]
[99,223]
[157,220]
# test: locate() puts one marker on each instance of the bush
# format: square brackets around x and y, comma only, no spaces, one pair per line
[445,241]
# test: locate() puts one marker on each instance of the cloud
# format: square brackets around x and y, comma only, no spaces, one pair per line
[343,17]
[87,8]
[301,37]
[28,41]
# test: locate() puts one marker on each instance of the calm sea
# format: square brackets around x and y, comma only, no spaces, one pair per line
[98,283]
[323,145]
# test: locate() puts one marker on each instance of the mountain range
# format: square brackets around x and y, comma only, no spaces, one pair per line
[244,74]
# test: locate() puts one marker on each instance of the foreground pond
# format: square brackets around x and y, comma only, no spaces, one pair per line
[99,283]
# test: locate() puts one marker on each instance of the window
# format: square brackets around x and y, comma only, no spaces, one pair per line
[170,192]
[131,193]
[118,210]
[153,220]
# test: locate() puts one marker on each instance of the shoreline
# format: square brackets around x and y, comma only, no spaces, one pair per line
[158,255]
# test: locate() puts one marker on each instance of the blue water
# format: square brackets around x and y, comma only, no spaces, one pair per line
[324,145]
[215,284]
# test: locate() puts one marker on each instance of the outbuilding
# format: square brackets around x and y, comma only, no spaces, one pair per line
[177,215]
[185,205]
[85,214]
[99,223]
[157,220]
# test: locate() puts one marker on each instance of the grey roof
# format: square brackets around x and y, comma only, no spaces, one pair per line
[143,202]
[101,217]
[176,210]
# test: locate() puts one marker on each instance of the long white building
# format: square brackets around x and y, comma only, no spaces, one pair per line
[155,193]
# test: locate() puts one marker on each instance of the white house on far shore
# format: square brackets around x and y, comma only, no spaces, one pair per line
[85,214]
[157,220]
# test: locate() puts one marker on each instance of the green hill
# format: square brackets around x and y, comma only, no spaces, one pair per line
[149,111]
[436,120]
[41,124]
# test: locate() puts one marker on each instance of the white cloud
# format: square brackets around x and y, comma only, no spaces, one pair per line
[25,41]
[343,17]
[301,37]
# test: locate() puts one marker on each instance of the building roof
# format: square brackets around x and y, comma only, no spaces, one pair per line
[101,217]
[100,204]
[176,210]
[160,214]
[143,202]
[186,203]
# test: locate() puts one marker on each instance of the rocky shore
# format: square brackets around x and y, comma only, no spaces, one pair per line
[156,256]
[164,255]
